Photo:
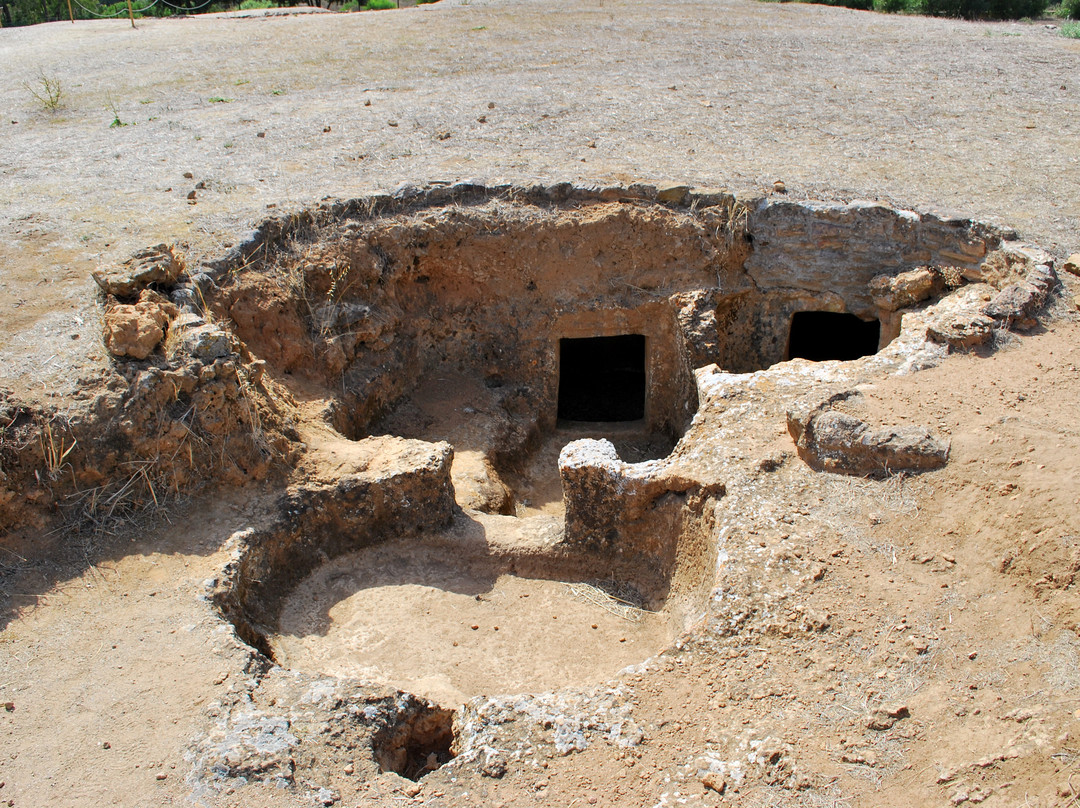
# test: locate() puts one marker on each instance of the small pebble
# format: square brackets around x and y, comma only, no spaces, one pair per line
[715,782]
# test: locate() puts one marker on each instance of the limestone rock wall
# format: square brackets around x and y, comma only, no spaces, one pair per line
[822,248]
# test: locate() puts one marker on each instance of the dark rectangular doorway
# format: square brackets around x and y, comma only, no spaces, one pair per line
[823,335]
[602,378]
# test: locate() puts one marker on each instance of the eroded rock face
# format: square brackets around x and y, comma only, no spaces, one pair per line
[892,292]
[1017,304]
[823,247]
[490,279]
[154,265]
[282,737]
[831,440]
[136,330]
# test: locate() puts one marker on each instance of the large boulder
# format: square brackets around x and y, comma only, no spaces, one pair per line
[832,440]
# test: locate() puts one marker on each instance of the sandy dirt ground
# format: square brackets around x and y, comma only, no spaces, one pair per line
[950,598]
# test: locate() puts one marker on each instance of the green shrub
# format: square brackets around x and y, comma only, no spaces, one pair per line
[352,5]
[379,5]
[1070,9]
[248,5]
[425,2]
[983,9]
[892,6]
[861,5]
[1071,30]
[967,9]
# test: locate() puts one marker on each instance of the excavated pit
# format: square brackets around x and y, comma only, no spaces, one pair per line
[448,619]
[501,491]
[416,745]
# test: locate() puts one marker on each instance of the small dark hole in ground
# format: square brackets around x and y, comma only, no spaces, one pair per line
[823,335]
[602,378]
[417,745]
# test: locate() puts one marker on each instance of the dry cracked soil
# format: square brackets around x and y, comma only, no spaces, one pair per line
[905,641]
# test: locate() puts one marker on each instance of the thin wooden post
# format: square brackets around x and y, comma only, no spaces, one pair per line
[71,13]
[131,14]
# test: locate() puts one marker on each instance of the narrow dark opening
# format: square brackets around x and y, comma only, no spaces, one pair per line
[822,335]
[602,378]
[418,745]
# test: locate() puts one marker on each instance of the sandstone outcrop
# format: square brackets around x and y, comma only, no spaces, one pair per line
[154,265]
[1017,304]
[832,440]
